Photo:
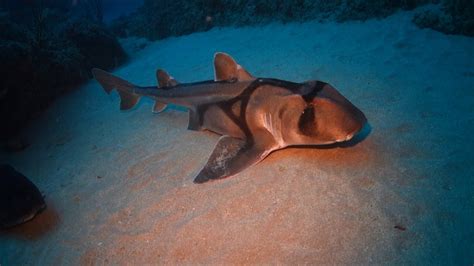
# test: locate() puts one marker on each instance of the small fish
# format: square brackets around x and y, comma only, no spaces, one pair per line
[254,116]
[20,199]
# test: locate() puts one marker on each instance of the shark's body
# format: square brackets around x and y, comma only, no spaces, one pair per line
[255,116]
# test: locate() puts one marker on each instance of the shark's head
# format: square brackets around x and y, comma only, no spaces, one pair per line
[318,115]
[325,117]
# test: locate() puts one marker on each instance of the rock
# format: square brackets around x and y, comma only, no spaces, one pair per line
[453,17]
[40,65]
[20,199]
[98,46]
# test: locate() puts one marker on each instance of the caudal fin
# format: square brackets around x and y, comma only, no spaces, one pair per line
[128,99]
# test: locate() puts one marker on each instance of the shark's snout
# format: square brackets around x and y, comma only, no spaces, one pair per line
[359,121]
[352,134]
[337,119]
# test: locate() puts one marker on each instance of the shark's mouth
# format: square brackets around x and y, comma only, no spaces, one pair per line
[357,134]
[347,138]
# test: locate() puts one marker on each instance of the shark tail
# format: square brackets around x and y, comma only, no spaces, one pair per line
[128,99]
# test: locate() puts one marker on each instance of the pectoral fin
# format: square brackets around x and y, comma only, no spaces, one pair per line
[230,156]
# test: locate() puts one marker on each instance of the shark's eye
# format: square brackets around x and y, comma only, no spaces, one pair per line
[307,122]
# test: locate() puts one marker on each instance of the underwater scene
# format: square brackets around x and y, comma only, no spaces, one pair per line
[236,132]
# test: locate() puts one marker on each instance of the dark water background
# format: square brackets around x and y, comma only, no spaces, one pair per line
[116,8]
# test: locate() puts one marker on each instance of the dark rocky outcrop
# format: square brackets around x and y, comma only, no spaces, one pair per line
[158,19]
[45,56]
[454,17]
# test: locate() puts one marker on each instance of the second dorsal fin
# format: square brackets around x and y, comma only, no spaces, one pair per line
[164,79]
[225,68]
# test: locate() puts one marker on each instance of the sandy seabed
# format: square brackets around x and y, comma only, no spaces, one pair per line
[119,184]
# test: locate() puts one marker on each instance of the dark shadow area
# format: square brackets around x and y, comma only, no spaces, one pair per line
[40,225]
[47,49]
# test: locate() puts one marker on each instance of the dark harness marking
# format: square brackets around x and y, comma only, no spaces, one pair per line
[244,98]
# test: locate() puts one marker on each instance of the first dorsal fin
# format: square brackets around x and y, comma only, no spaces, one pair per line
[164,79]
[225,68]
